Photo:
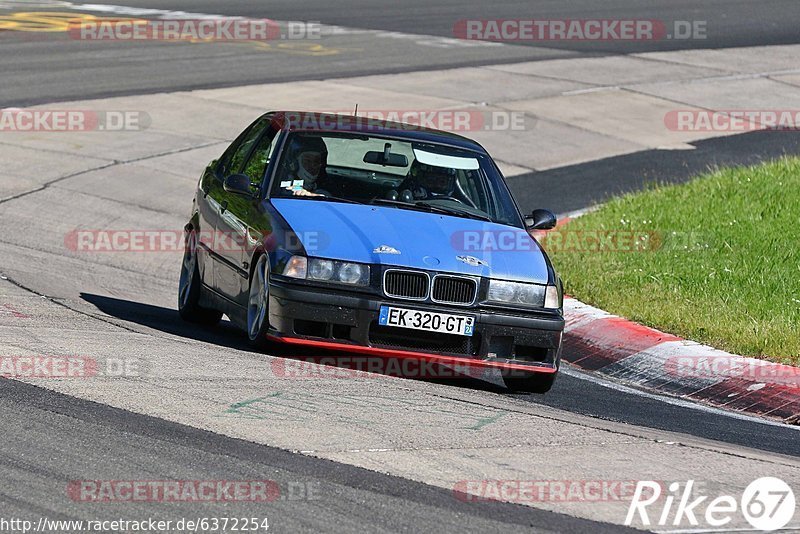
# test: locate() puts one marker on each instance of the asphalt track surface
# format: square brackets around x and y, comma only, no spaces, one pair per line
[52,438]
[389,37]
[71,437]
[575,187]
[575,392]
[730,23]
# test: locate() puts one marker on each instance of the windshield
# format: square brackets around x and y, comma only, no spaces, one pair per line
[391,172]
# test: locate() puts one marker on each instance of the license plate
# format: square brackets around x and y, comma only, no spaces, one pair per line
[446,323]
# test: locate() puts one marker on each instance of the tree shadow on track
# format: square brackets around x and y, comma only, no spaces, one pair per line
[340,364]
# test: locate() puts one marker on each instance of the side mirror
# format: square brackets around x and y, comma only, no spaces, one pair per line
[541,220]
[238,184]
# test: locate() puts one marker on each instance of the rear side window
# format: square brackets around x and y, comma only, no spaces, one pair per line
[257,164]
[232,162]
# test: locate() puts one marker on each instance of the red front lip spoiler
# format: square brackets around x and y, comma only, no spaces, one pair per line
[393,353]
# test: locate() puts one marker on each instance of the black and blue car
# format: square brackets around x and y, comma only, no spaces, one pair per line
[374,237]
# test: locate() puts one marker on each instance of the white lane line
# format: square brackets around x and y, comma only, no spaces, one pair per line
[570,371]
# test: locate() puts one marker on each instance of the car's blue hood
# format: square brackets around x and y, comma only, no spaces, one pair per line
[425,240]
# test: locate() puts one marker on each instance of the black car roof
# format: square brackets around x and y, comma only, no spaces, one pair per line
[297,121]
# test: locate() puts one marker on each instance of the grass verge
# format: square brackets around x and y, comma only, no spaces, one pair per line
[715,260]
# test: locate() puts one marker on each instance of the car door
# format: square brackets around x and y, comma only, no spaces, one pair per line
[241,224]
[207,212]
[208,208]
[209,198]
[212,203]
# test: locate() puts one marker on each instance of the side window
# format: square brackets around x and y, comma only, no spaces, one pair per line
[233,159]
[237,160]
[257,164]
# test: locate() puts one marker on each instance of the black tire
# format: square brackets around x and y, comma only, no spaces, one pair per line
[190,287]
[533,383]
[258,305]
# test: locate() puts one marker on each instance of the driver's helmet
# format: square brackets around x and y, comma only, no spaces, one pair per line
[435,180]
[306,156]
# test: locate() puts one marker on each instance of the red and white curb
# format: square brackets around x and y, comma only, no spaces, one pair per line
[612,346]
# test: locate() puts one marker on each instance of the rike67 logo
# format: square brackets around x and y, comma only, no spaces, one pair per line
[767,503]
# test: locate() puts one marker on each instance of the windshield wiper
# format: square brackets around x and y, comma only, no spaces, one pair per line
[455,212]
[399,204]
[430,208]
[330,198]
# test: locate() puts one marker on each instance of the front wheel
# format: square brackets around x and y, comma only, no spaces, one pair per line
[533,383]
[258,304]
[190,286]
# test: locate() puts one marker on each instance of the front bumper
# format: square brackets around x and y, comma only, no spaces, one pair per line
[335,319]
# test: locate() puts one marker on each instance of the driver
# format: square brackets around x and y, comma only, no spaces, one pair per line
[427,182]
[306,159]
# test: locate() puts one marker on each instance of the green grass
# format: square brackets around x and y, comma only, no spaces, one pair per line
[725,267]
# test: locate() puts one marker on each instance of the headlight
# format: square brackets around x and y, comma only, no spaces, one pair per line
[553,298]
[296,267]
[516,293]
[320,269]
[337,271]
[353,273]
[500,291]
